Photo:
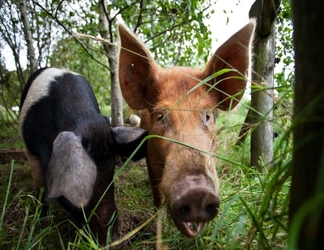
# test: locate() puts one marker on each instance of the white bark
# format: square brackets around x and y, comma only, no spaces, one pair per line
[111,51]
[28,36]
[262,78]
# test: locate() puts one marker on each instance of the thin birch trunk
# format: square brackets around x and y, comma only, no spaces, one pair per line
[28,35]
[111,52]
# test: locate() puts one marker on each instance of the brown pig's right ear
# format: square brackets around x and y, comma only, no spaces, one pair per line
[235,54]
[136,69]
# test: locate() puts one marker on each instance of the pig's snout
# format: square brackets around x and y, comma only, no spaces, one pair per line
[194,204]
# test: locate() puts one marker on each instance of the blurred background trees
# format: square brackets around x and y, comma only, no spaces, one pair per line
[38,34]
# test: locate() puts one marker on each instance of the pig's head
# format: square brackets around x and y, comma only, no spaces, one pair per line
[179,105]
[73,171]
[81,168]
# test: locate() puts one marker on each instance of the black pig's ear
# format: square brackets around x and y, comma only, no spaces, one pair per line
[71,172]
[127,139]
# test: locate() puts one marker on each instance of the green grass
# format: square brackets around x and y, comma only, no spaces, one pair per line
[245,212]
[253,213]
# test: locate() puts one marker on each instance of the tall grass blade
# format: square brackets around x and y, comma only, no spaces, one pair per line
[12,163]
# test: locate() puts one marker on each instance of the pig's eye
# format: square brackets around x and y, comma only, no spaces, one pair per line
[159,117]
[209,116]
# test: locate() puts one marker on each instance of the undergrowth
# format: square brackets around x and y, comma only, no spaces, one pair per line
[253,213]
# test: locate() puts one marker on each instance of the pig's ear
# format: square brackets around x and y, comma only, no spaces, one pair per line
[136,69]
[71,172]
[235,53]
[127,140]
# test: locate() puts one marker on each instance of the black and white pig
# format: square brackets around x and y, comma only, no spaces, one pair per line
[71,148]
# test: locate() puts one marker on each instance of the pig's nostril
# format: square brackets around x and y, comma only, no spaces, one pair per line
[184,210]
[211,209]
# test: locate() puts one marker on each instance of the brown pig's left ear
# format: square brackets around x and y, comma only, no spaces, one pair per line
[235,53]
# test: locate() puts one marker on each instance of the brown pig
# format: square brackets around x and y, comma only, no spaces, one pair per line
[179,105]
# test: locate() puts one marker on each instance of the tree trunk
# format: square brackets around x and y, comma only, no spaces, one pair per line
[111,51]
[116,95]
[28,36]
[262,83]
[307,163]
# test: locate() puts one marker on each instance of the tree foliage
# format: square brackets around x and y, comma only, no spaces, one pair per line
[284,78]
[14,40]
[175,32]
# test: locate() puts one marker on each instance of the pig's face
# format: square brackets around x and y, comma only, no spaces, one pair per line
[183,162]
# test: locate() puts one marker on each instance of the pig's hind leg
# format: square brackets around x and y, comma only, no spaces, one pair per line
[39,179]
